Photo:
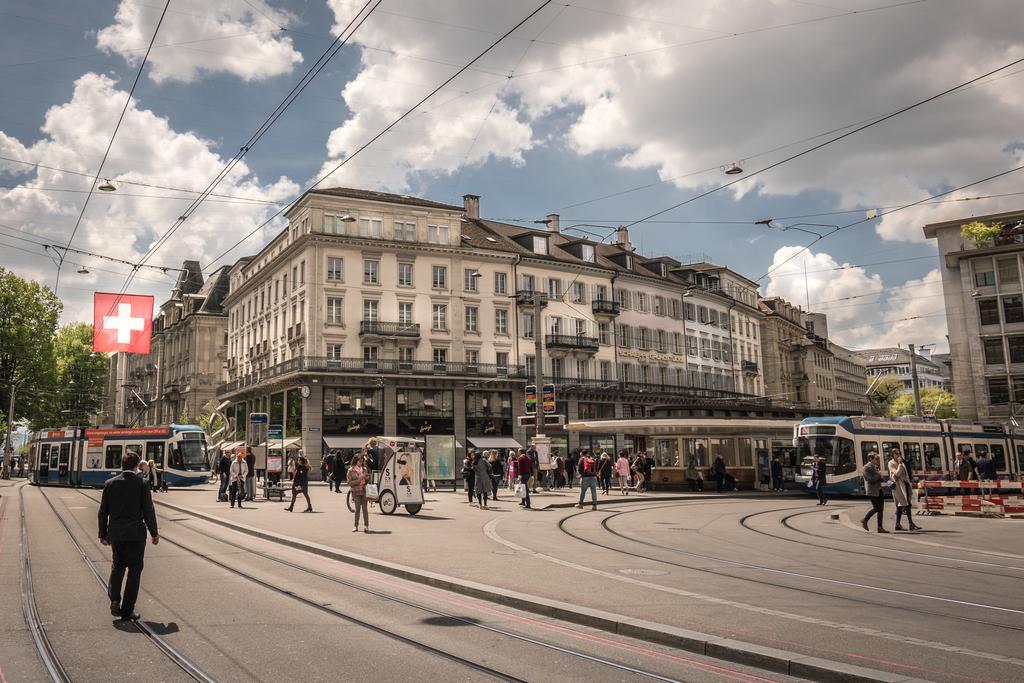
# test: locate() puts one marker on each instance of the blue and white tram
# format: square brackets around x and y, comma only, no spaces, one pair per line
[930,447]
[88,456]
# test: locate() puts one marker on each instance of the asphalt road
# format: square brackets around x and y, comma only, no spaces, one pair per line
[244,609]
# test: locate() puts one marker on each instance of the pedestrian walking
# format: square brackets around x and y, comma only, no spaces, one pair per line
[901,489]
[250,475]
[497,469]
[356,477]
[337,472]
[588,479]
[126,514]
[648,466]
[482,482]
[604,472]
[559,473]
[513,469]
[873,489]
[637,470]
[524,466]
[300,484]
[535,461]
[325,467]
[777,475]
[571,463]
[236,473]
[819,477]
[622,472]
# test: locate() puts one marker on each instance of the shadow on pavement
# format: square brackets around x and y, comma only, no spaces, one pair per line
[449,621]
[162,629]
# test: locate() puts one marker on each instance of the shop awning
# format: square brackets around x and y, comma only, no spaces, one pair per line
[229,445]
[275,445]
[346,441]
[494,442]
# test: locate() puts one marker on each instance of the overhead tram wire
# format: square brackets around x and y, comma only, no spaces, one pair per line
[830,141]
[339,41]
[82,252]
[110,143]
[383,132]
[886,213]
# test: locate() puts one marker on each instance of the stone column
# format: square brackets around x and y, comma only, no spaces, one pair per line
[312,425]
[390,408]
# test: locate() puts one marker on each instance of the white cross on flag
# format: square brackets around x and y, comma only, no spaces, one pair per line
[121,323]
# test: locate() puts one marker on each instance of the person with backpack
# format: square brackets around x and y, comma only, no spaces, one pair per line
[588,479]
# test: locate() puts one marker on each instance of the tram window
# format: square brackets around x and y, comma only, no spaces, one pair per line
[887,447]
[65,454]
[54,455]
[867,448]
[932,457]
[980,449]
[44,455]
[998,456]
[696,452]
[112,459]
[912,455]
[966,449]
[155,452]
[1020,458]
[845,462]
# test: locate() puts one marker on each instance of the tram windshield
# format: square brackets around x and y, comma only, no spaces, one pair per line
[835,450]
[190,455]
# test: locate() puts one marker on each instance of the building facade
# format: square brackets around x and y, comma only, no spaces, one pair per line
[984,302]
[851,380]
[895,361]
[178,378]
[374,313]
[799,363]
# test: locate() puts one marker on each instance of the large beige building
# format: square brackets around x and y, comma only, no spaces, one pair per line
[984,302]
[374,313]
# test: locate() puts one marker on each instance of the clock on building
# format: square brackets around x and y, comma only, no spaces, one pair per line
[304,391]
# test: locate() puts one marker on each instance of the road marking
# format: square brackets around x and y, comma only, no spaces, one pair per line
[490,530]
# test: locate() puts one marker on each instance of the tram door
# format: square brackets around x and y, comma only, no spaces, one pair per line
[63,462]
[43,464]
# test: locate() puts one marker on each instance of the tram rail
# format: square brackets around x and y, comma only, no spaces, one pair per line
[193,670]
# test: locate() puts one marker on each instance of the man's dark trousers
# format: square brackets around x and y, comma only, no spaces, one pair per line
[127,555]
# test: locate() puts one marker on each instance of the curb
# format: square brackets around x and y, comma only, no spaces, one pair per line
[768,658]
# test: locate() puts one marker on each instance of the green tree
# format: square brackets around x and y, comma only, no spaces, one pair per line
[884,392]
[934,401]
[81,375]
[28,320]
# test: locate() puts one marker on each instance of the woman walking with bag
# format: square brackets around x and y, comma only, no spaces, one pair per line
[236,474]
[497,470]
[356,478]
[604,472]
[901,488]
[482,479]
[469,474]
[300,484]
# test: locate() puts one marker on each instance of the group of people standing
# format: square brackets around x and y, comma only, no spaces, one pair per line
[900,483]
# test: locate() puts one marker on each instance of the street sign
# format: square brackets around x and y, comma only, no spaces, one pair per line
[275,432]
[549,398]
[312,429]
[258,418]
[531,399]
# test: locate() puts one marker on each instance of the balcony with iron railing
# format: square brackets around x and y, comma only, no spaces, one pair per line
[605,307]
[749,367]
[571,342]
[377,328]
[525,297]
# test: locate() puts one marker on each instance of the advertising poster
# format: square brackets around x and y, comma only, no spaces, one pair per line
[407,478]
[440,451]
[274,465]
[543,455]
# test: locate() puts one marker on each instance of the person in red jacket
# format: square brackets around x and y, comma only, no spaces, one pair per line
[525,466]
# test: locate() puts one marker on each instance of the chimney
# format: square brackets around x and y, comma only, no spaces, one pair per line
[471,205]
[552,222]
[622,238]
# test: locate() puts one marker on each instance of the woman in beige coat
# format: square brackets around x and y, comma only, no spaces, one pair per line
[901,488]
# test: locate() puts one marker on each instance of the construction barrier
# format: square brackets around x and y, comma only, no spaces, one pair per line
[995,498]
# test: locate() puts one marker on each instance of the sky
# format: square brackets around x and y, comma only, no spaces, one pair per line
[606,112]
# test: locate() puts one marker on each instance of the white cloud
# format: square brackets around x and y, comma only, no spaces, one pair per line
[863,311]
[119,224]
[702,105]
[202,37]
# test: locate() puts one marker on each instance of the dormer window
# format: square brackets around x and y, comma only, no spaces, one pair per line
[540,245]
[628,262]
[587,252]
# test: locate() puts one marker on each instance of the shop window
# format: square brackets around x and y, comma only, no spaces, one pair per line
[932,457]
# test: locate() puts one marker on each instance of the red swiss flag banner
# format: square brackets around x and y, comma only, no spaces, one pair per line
[121,322]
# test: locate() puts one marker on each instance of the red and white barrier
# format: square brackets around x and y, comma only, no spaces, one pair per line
[996,485]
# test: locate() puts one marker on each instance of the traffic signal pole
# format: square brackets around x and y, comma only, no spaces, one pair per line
[538,365]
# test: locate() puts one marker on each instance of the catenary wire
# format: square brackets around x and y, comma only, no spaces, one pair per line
[110,143]
[383,132]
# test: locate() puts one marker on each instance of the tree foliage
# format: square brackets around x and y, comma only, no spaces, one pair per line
[884,393]
[982,235]
[81,375]
[934,401]
[28,320]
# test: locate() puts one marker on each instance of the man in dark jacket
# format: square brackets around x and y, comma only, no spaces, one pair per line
[223,469]
[524,465]
[777,475]
[126,512]
[250,475]
[337,472]
[819,477]
[986,468]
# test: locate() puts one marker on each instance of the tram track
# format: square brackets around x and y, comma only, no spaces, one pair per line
[44,648]
[785,521]
[182,661]
[803,590]
[233,569]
